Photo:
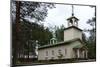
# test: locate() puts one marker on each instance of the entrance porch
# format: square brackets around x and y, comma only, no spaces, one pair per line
[80,52]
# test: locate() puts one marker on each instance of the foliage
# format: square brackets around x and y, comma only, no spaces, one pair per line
[84,38]
[32,10]
[91,41]
[31,31]
[24,32]
[59,33]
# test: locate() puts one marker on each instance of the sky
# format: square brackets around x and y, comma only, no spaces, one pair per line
[57,16]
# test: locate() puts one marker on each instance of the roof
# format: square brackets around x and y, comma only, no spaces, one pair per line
[72,17]
[73,27]
[78,46]
[60,43]
[82,47]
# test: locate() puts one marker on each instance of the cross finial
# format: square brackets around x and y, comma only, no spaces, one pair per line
[72,10]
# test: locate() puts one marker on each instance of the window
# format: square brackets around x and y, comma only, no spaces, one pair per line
[70,24]
[54,41]
[46,53]
[59,51]
[65,51]
[52,52]
[60,55]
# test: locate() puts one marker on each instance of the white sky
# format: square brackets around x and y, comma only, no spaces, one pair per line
[57,16]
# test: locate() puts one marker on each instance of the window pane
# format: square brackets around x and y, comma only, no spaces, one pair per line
[46,53]
[52,52]
[65,51]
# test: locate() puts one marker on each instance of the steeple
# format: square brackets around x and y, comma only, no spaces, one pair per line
[72,31]
[72,11]
[72,21]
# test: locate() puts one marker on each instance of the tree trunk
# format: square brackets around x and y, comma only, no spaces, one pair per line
[15,58]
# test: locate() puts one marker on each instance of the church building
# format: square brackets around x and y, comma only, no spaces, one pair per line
[71,47]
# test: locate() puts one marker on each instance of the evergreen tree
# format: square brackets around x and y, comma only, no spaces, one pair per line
[24,32]
[91,42]
[59,33]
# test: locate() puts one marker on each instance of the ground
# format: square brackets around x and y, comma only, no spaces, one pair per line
[56,62]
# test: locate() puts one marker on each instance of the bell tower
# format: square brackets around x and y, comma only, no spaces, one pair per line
[72,31]
[72,21]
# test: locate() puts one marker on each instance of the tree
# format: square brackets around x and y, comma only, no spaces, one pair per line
[23,30]
[32,10]
[91,42]
[15,47]
[59,33]
[31,31]
[84,38]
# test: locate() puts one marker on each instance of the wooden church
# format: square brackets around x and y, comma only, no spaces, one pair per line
[71,47]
